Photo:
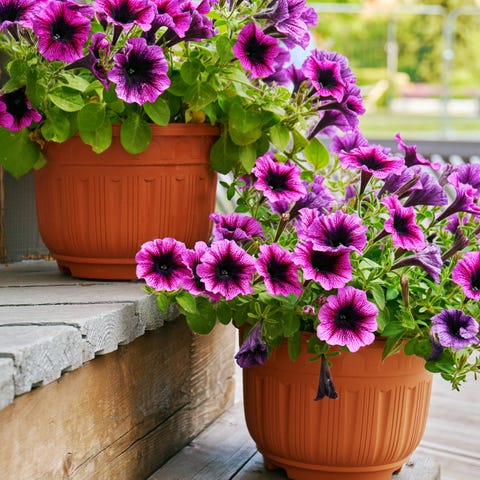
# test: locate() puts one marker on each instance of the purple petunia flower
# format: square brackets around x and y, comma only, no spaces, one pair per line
[465,201]
[348,319]
[278,270]
[326,77]
[254,350]
[16,111]
[455,329]
[16,12]
[372,159]
[169,14]
[466,174]
[278,181]
[467,274]
[412,157]
[348,141]
[333,232]
[325,388]
[407,180]
[227,269]
[193,283]
[235,226]
[401,225]
[127,13]
[256,51]
[430,259]
[160,263]
[427,191]
[331,269]
[61,31]
[140,72]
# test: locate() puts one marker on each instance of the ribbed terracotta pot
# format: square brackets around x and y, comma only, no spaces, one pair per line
[367,433]
[96,210]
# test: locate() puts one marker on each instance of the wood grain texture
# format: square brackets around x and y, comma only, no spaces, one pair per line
[118,417]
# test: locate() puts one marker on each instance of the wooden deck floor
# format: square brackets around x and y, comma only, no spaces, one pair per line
[451,444]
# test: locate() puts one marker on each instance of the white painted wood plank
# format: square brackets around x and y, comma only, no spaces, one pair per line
[40,354]
[7,388]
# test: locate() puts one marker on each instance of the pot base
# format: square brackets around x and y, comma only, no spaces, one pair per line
[97,268]
[304,471]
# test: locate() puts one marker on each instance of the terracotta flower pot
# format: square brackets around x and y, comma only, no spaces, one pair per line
[368,432]
[95,210]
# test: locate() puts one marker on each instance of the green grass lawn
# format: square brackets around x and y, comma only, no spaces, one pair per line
[385,125]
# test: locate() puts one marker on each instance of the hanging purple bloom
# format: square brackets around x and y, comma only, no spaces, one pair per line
[407,180]
[332,232]
[437,348]
[467,274]
[99,49]
[235,226]
[455,329]
[16,12]
[348,319]
[278,181]
[331,121]
[227,269]
[170,15]
[193,283]
[331,269]
[401,225]
[254,350]
[325,388]
[412,157]
[61,31]
[256,51]
[278,270]
[346,72]
[430,259]
[427,192]
[140,72]
[326,77]
[351,106]
[465,201]
[318,197]
[160,263]
[467,174]
[372,159]
[347,142]
[127,13]
[16,112]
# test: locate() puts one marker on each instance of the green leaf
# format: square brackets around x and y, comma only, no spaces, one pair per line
[243,121]
[67,99]
[224,154]
[248,156]
[158,111]
[291,324]
[91,117]
[224,48]
[186,302]
[224,313]
[190,71]
[378,296]
[57,126]
[204,319]
[99,139]
[294,346]
[135,134]
[200,95]
[163,301]
[18,154]
[317,154]
[280,136]
[76,82]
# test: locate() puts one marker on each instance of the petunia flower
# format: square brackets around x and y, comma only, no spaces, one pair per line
[278,181]
[227,269]
[455,329]
[256,51]
[140,72]
[406,234]
[254,350]
[235,226]
[160,263]
[331,269]
[61,31]
[427,191]
[326,77]
[278,269]
[127,13]
[412,157]
[430,259]
[465,201]
[326,387]
[16,112]
[16,12]
[467,174]
[194,283]
[467,274]
[333,232]
[347,142]
[348,319]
